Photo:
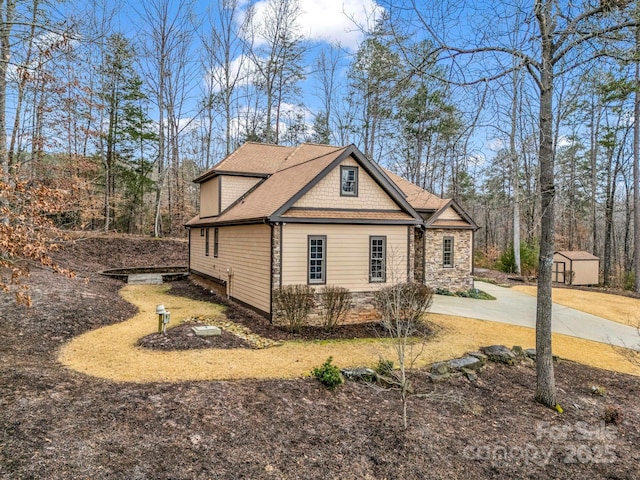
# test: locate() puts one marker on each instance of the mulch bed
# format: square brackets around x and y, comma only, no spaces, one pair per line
[183,338]
[59,424]
[261,326]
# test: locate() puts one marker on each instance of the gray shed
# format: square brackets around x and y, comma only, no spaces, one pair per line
[575,268]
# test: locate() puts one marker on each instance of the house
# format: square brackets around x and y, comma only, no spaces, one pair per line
[274,215]
[576,267]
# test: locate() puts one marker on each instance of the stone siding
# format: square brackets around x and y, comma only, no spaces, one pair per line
[418,259]
[361,310]
[276,261]
[456,278]
[411,254]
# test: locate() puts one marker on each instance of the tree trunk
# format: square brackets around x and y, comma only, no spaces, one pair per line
[636,169]
[6,19]
[515,182]
[546,388]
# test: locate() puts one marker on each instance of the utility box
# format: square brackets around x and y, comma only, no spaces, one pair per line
[206,331]
[576,267]
[164,317]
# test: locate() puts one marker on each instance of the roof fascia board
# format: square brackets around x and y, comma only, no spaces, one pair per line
[247,221]
[345,221]
[450,227]
[322,209]
[458,209]
[214,173]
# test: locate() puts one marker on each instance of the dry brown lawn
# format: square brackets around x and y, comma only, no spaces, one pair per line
[616,308]
[112,353]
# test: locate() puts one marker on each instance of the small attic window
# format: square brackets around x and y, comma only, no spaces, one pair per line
[349,181]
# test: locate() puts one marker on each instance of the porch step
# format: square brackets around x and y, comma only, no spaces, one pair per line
[145,279]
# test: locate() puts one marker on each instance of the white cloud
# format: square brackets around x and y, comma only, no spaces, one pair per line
[240,66]
[338,21]
[564,141]
[332,21]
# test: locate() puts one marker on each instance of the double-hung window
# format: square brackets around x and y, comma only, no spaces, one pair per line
[377,259]
[206,242]
[317,259]
[447,252]
[349,181]
[215,242]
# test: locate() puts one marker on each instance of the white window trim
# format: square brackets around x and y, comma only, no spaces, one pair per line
[344,168]
[373,279]
[451,263]
[323,271]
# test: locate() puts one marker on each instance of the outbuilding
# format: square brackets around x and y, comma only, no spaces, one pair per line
[575,267]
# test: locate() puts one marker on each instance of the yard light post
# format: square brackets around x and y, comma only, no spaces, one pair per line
[163,318]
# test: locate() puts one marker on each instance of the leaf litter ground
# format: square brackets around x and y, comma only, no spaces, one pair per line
[57,423]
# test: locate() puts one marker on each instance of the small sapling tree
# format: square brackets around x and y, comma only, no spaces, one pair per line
[402,308]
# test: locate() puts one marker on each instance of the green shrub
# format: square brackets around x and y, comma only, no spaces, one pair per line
[528,259]
[384,367]
[329,375]
[335,303]
[293,303]
[444,291]
[477,294]
[471,293]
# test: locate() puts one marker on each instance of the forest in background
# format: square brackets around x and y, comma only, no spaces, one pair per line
[104,128]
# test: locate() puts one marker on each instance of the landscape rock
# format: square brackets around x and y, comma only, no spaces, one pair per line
[480,356]
[499,354]
[440,368]
[468,363]
[530,353]
[517,349]
[471,376]
[360,374]
[435,378]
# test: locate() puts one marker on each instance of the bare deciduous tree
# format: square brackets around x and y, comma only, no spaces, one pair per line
[559,39]
[402,308]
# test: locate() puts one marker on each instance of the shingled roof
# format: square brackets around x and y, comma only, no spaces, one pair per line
[418,198]
[289,172]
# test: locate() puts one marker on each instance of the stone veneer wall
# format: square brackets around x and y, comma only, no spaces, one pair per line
[411,254]
[458,277]
[362,310]
[276,261]
[418,252]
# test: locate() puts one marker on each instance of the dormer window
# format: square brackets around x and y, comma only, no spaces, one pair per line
[349,181]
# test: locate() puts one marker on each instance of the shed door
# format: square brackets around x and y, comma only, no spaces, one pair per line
[558,272]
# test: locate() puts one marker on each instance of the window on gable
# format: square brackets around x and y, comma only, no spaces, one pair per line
[349,181]
[206,242]
[215,242]
[377,259]
[317,262]
[447,252]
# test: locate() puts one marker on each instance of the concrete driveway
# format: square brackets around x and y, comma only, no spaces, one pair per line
[517,308]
